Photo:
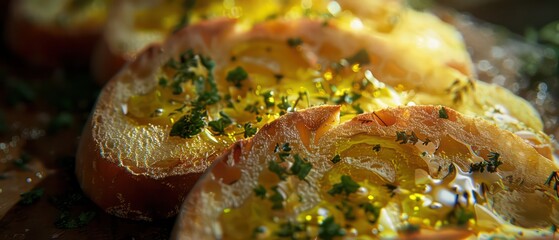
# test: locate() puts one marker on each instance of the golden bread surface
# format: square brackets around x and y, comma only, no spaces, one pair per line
[178,105]
[307,176]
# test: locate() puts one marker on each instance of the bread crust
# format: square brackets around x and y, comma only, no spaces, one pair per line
[217,190]
[48,45]
[147,152]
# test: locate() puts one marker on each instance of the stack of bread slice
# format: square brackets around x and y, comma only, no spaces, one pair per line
[394,104]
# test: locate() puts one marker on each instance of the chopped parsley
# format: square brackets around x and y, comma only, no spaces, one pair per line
[197,69]
[32,196]
[443,113]
[346,185]
[163,82]
[371,211]
[219,125]
[284,147]
[328,229]
[253,108]
[260,191]
[294,42]
[291,230]
[347,209]
[489,165]
[276,198]
[189,68]
[249,130]
[347,98]
[67,221]
[336,159]
[301,167]
[236,76]
[361,58]
[284,105]
[459,214]
[391,189]
[280,171]
[268,98]
[189,125]
[404,138]
[357,108]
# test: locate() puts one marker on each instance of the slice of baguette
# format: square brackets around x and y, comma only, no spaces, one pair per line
[145,144]
[410,174]
[55,33]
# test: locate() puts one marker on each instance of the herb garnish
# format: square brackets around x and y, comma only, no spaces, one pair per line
[268,98]
[328,229]
[284,105]
[189,125]
[336,159]
[280,171]
[199,70]
[249,130]
[346,185]
[391,189]
[301,167]
[291,230]
[459,214]
[260,191]
[219,125]
[276,199]
[361,58]
[405,138]
[294,42]
[347,209]
[253,108]
[371,211]
[32,196]
[236,76]
[376,148]
[443,113]
[66,221]
[490,164]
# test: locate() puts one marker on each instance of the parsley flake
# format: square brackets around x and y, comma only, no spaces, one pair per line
[490,164]
[189,125]
[301,167]
[294,42]
[346,185]
[249,130]
[361,58]
[443,113]
[404,138]
[219,125]
[291,230]
[328,229]
[376,148]
[336,159]
[32,196]
[276,199]
[66,221]
[236,76]
[280,171]
[260,191]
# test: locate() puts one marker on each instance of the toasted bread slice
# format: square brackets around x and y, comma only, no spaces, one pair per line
[394,173]
[55,33]
[160,122]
